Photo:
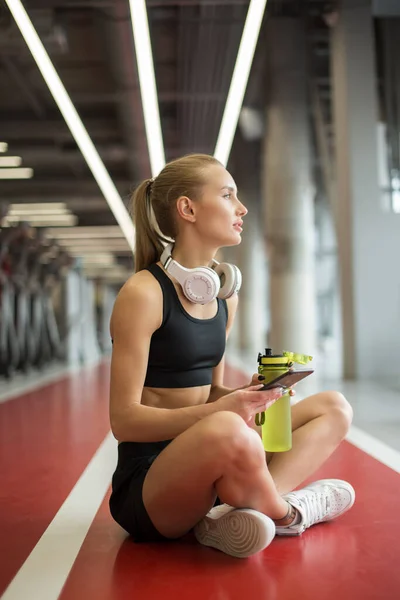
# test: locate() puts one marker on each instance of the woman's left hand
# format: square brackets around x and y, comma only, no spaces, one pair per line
[257,378]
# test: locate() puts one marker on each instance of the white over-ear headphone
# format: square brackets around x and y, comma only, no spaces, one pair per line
[203,284]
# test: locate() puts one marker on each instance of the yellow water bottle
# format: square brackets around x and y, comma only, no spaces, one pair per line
[276,421]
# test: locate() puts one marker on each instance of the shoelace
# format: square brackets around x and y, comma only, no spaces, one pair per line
[314,505]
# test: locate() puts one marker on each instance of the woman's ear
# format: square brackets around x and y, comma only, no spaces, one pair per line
[185,208]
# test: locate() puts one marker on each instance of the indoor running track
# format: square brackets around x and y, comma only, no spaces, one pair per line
[57,539]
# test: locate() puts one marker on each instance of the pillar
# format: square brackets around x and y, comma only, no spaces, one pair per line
[368,236]
[289,191]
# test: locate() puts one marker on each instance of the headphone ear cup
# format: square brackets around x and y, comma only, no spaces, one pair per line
[230,278]
[201,286]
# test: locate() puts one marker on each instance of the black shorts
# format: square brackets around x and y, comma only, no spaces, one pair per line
[126,501]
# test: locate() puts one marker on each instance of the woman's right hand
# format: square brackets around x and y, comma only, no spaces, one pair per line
[250,401]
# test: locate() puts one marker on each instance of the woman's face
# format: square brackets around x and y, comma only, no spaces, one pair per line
[219,212]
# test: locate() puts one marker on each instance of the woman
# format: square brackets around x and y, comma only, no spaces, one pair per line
[187,443]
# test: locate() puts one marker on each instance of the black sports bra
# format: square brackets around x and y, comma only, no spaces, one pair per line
[184,350]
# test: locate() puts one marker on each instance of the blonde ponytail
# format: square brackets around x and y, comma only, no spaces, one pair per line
[154,204]
[148,247]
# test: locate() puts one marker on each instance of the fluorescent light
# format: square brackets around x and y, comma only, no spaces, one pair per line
[100,269]
[10,161]
[239,80]
[98,259]
[148,88]
[73,120]
[92,245]
[14,212]
[88,233]
[93,241]
[32,217]
[43,221]
[19,173]
[78,249]
[3,147]
[108,277]
[34,206]
[42,212]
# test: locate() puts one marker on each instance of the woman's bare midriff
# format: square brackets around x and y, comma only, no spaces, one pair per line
[175,397]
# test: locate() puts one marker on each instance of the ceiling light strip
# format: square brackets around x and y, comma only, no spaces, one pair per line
[239,81]
[10,161]
[148,88]
[34,206]
[3,147]
[18,173]
[89,231]
[43,222]
[73,120]
[37,213]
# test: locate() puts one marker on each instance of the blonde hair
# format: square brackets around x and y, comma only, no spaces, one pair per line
[182,177]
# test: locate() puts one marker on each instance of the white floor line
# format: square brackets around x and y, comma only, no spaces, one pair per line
[46,569]
[374,447]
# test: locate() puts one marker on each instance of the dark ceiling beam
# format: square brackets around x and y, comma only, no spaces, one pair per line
[58,188]
[47,157]
[163,96]
[274,5]
[101,218]
[12,128]
[22,84]
[50,155]
[117,34]
[39,4]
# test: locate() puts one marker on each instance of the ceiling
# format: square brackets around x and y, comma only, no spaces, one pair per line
[90,42]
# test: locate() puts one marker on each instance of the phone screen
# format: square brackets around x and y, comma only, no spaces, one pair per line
[287,380]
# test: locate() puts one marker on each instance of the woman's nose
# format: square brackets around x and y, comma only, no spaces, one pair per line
[242,209]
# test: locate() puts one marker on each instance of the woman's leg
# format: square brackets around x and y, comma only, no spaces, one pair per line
[221,456]
[319,424]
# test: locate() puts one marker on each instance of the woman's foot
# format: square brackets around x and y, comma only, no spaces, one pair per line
[239,532]
[318,502]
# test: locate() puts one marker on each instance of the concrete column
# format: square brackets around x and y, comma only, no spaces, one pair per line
[289,191]
[108,297]
[368,236]
[91,350]
[82,344]
[73,318]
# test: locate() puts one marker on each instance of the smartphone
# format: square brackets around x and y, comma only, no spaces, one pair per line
[287,380]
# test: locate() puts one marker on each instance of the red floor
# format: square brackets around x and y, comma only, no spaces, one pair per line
[49,436]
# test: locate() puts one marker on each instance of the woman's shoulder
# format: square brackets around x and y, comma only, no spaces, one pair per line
[139,297]
[141,287]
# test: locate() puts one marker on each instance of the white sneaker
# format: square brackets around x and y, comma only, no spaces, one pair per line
[321,501]
[239,532]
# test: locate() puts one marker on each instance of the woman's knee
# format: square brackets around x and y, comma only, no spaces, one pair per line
[231,438]
[339,410]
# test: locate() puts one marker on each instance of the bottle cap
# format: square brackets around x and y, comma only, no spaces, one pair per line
[300,359]
[284,359]
[272,359]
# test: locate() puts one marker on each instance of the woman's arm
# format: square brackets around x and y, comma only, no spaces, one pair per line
[137,314]
[217,386]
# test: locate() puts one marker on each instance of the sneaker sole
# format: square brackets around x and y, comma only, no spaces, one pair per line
[239,533]
[340,484]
